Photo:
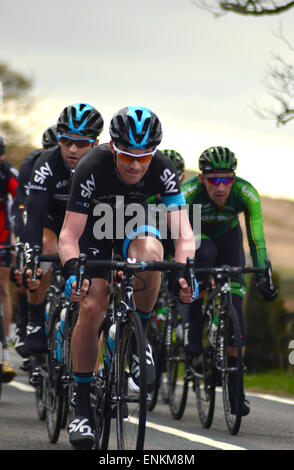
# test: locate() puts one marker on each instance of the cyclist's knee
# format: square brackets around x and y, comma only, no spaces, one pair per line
[147,248]
[49,242]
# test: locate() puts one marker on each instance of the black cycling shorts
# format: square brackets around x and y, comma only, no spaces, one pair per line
[96,248]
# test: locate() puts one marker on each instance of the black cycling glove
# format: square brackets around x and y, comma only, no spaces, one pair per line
[268,293]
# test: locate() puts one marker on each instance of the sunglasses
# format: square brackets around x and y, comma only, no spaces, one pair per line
[80,143]
[216,180]
[128,157]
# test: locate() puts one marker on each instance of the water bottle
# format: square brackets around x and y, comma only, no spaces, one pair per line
[60,334]
[110,344]
[47,307]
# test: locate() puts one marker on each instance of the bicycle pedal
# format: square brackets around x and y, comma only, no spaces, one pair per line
[36,379]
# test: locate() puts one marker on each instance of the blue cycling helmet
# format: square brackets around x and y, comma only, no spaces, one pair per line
[136,127]
[49,137]
[82,119]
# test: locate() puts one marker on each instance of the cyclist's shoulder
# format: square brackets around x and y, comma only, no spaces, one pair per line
[97,157]
[8,170]
[191,186]
[51,156]
[31,158]
[245,191]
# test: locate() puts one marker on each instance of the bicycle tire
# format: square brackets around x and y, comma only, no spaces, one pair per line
[100,396]
[55,392]
[157,342]
[205,381]
[229,326]
[68,379]
[40,396]
[131,406]
[176,381]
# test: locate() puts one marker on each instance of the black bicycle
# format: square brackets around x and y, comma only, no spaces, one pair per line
[221,340]
[52,375]
[114,393]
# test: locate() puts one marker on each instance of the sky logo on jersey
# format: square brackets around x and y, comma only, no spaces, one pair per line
[88,188]
[42,173]
[168,179]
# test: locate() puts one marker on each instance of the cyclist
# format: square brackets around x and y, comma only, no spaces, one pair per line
[49,140]
[78,127]
[120,175]
[9,182]
[223,196]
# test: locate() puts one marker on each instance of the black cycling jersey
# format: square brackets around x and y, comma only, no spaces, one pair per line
[48,193]
[96,179]
[22,191]
[96,183]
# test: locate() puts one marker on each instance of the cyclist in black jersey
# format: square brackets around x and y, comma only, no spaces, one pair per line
[9,182]
[78,127]
[222,196]
[49,140]
[116,179]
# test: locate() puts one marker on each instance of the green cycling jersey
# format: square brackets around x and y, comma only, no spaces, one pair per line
[216,220]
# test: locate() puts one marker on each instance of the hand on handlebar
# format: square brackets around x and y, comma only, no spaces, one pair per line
[185,295]
[70,290]
[29,282]
[266,286]
[268,293]
[178,286]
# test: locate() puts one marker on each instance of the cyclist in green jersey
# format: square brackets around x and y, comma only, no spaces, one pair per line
[222,196]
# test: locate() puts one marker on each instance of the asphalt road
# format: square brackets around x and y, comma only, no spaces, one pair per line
[269,426]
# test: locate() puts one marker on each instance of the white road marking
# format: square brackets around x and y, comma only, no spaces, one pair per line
[21,386]
[193,437]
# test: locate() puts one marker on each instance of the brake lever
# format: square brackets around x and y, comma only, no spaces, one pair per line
[36,261]
[190,277]
[81,272]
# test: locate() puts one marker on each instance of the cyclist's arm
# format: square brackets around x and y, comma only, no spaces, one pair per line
[37,202]
[254,224]
[72,229]
[182,233]
[180,227]
[12,185]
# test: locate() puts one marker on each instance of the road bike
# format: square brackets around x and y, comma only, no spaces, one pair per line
[221,340]
[52,375]
[114,394]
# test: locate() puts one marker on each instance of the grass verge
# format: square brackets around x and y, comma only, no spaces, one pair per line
[278,382]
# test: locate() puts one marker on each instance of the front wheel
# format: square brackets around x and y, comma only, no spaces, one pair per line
[176,381]
[131,395]
[55,391]
[231,368]
[205,379]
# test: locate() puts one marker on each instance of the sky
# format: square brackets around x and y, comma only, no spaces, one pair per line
[199,74]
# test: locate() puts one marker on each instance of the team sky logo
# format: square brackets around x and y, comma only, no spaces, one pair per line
[168,179]
[88,187]
[42,173]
